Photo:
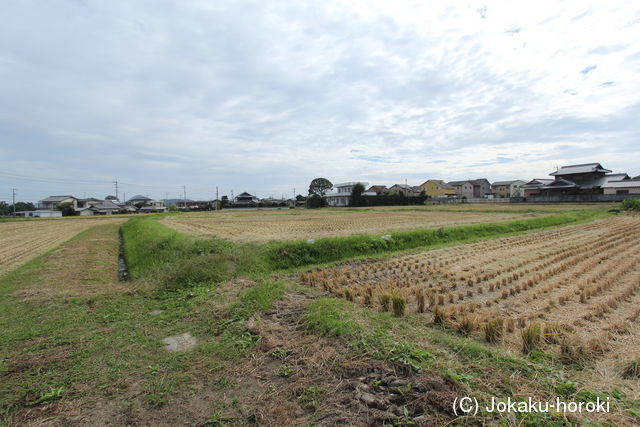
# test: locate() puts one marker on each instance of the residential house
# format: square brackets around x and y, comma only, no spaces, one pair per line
[100,207]
[39,214]
[406,190]
[437,188]
[52,203]
[185,203]
[481,187]
[378,189]
[462,188]
[534,187]
[627,186]
[152,209]
[246,199]
[139,200]
[341,193]
[85,203]
[502,189]
[574,179]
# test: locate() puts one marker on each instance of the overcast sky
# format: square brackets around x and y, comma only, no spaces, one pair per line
[263,96]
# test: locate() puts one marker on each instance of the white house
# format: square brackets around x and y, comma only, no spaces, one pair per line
[51,203]
[39,214]
[341,193]
[628,186]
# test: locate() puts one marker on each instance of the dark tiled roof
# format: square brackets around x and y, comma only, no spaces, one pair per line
[139,197]
[584,168]
[57,198]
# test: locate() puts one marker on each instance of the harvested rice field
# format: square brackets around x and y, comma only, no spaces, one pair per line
[21,241]
[264,226]
[573,291]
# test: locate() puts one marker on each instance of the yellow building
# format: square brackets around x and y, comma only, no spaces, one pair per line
[437,188]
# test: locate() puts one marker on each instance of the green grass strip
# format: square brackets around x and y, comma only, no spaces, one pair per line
[283,255]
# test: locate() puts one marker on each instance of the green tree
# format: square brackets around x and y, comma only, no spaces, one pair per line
[315,201]
[320,187]
[66,209]
[356,198]
[224,202]
[25,206]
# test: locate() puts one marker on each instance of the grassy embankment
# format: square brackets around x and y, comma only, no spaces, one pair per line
[62,346]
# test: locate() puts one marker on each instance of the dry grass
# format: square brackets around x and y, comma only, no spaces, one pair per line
[21,241]
[527,288]
[264,226]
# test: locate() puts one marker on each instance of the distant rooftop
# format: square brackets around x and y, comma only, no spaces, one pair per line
[57,198]
[584,168]
[139,197]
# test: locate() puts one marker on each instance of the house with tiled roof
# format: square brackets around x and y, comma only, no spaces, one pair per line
[502,189]
[406,190]
[584,178]
[534,187]
[52,202]
[437,188]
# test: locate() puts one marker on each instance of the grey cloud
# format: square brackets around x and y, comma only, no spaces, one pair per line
[258,94]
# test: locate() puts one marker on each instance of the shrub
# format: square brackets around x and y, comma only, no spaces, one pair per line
[630,204]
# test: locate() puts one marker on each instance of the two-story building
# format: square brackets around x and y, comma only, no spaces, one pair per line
[341,193]
[462,188]
[584,178]
[406,190]
[437,188]
[52,203]
[502,189]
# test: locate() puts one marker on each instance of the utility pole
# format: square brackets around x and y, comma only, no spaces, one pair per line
[217,199]
[116,185]
[406,190]
[184,195]
[13,193]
